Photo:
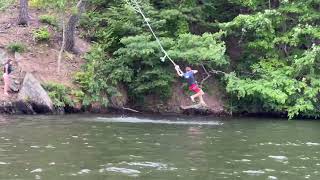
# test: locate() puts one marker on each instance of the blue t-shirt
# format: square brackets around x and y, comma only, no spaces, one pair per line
[189,77]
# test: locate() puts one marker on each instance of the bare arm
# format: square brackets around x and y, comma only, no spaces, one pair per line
[179,72]
[195,71]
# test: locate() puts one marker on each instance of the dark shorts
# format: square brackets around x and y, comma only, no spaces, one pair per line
[194,88]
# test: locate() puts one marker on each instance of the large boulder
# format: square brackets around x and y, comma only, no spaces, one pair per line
[32,98]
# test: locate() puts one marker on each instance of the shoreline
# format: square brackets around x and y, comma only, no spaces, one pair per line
[14,108]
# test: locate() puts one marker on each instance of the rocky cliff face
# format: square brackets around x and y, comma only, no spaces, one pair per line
[213,97]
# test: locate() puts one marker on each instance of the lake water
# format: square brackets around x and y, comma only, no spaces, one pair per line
[164,148]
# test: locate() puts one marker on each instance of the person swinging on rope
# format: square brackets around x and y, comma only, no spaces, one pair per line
[193,86]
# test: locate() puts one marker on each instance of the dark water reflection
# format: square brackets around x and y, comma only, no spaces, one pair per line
[116,148]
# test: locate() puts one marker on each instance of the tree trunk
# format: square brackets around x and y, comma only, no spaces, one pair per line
[23,13]
[62,46]
[269,4]
[71,26]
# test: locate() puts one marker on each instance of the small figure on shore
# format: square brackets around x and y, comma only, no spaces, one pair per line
[7,69]
[193,86]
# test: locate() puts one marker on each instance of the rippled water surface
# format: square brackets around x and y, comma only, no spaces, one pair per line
[125,148]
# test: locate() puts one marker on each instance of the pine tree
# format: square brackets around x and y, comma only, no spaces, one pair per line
[69,32]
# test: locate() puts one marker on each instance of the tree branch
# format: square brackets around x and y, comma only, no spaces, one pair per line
[285,50]
[208,75]
[212,71]
[129,109]
[217,72]
[62,46]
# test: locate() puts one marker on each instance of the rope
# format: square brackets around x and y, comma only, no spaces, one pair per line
[137,8]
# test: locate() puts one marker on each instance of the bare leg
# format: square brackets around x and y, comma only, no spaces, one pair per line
[202,101]
[199,94]
[192,98]
[195,96]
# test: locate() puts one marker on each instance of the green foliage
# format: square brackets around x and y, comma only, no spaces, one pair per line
[77,96]
[206,49]
[274,46]
[91,82]
[48,19]
[58,5]
[42,34]
[62,8]
[128,54]
[59,94]
[4,4]
[16,47]
[252,4]
[278,68]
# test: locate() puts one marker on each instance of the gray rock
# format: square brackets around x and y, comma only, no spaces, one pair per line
[17,56]
[14,87]
[3,56]
[8,26]
[33,94]
[23,107]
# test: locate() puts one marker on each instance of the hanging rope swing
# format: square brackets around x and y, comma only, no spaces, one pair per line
[138,9]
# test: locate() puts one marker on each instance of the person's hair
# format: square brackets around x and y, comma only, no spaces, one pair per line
[8,61]
[188,68]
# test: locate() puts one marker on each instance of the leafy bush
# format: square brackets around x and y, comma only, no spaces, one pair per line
[16,47]
[83,79]
[88,22]
[59,94]
[48,19]
[78,95]
[92,86]
[41,34]
[278,67]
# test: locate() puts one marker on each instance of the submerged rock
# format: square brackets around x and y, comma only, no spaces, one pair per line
[14,85]
[196,110]
[32,98]
[8,107]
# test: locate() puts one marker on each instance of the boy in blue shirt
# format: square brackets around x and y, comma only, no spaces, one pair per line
[193,86]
